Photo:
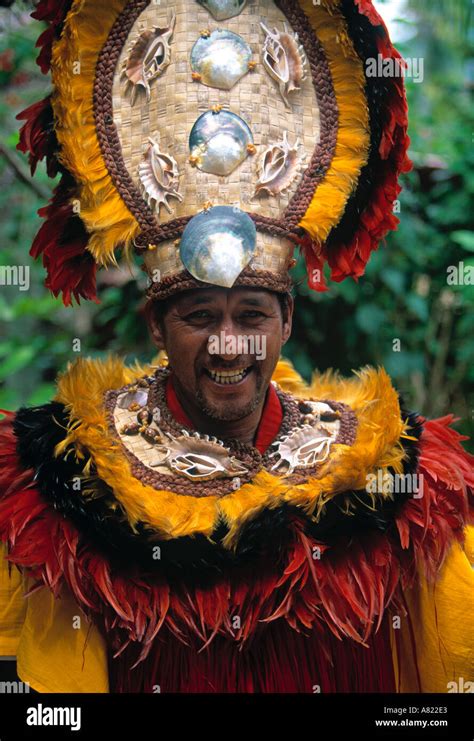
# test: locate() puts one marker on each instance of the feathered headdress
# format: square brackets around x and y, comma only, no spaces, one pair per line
[212,136]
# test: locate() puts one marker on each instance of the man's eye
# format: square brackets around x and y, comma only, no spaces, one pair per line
[200,314]
[251,314]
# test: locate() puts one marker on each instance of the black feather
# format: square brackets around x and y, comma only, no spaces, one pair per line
[362,34]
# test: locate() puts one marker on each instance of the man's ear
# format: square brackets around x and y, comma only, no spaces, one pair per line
[288,319]
[154,325]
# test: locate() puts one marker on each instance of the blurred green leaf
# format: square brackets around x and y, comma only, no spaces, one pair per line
[464,238]
[417,306]
[369,318]
[13,362]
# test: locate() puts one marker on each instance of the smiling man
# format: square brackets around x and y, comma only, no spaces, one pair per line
[211,522]
[223,346]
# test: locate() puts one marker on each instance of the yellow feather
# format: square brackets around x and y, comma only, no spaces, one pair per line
[102,209]
[353,135]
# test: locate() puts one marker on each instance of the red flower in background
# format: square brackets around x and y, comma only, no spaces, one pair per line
[6,60]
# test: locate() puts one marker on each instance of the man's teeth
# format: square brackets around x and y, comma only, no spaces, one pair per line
[233,376]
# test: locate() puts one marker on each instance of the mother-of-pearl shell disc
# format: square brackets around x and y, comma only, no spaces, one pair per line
[223,9]
[219,141]
[217,244]
[221,58]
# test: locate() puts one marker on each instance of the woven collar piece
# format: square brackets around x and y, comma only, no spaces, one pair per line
[156,472]
[171,154]
[166,451]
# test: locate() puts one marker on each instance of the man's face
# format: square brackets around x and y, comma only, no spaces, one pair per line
[223,345]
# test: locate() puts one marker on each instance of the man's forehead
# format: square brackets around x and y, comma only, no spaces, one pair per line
[238,295]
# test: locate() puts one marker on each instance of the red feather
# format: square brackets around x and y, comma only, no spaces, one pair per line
[37,136]
[53,12]
[62,242]
[314,261]
[377,219]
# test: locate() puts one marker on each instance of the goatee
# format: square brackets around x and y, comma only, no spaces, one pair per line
[232,410]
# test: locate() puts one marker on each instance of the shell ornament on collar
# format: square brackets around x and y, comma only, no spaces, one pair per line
[304,446]
[198,457]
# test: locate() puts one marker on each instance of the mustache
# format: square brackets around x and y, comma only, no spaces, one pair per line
[229,366]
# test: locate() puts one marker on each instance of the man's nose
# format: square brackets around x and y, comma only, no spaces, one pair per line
[228,340]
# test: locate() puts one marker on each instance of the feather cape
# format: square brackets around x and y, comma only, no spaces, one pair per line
[337,601]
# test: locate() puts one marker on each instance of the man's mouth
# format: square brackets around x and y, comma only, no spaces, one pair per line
[225,377]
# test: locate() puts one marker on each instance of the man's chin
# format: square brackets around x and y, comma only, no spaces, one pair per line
[229,411]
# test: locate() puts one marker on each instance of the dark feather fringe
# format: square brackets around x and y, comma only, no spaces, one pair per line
[38,136]
[62,242]
[370,207]
[278,659]
[52,12]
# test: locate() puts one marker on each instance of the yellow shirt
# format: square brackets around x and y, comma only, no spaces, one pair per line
[58,650]
[12,606]
[442,617]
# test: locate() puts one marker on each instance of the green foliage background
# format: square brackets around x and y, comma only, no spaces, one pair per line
[404,294]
